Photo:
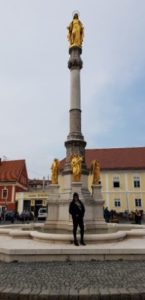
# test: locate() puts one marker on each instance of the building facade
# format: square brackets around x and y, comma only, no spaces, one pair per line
[13,179]
[122,176]
[35,197]
[123,190]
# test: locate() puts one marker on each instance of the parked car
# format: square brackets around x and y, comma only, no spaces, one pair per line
[26,216]
[9,216]
[42,213]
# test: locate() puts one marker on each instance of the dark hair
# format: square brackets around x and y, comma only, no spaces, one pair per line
[75,195]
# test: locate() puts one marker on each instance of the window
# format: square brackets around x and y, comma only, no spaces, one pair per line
[136,181]
[4,193]
[117,203]
[138,202]
[116,183]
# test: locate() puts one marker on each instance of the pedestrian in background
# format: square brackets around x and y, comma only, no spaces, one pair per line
[107,215]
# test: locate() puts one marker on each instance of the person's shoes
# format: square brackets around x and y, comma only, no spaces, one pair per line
[82,243]
[76,243]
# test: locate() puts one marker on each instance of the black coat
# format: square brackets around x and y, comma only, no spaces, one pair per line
[77,211]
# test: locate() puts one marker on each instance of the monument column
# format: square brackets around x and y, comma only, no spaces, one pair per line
[75,173]
[75,65]
[75,143]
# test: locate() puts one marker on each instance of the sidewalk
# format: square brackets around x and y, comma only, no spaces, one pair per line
[73,280]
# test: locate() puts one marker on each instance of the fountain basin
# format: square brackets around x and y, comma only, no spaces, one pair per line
[23,243]
[37,231]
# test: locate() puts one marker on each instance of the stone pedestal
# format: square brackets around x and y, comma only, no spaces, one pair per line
[76,187]
[99,203]
[97,192]
[58,207]
[58,204]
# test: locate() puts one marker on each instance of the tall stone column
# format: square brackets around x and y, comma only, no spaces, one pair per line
[60,196]
[75,143]
[75,65]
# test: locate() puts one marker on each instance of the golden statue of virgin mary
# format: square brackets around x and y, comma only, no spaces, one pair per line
[75,32]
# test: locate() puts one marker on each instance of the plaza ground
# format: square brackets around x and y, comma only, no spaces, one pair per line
[73,280]
[115,270]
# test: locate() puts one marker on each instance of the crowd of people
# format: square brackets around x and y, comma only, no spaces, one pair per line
[134,216]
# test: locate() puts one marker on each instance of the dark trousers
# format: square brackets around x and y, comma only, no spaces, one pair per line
[78,222]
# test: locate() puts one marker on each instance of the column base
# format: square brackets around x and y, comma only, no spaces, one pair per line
[58,207]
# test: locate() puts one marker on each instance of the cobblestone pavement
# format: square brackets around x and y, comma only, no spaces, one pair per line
[73,280]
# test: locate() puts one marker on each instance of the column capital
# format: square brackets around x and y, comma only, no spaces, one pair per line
[75,61]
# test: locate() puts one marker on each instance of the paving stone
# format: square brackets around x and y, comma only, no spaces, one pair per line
[125,295]
[135,294]
[104,294]
[142,292]
[114,294]
[34,295]
[13,293]
[1,289]
[7,293]
[53,294]
[44,294]
[83,294]
[73,294]
[64,294]
[40,280]
[24,294]
[94,294]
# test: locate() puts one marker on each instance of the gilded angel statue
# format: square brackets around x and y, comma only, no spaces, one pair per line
[76,166]
[95,171]
[55,167]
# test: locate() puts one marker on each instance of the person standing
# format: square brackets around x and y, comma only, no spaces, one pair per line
[107,215]
[138,217]
[77,211]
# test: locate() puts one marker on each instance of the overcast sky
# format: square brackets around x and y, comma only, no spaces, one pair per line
[35,80]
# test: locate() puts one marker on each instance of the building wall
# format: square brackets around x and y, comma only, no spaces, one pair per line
[126,193]
[33,198]
[7,201]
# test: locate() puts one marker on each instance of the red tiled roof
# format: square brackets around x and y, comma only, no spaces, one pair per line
[11,170]
[117,158]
